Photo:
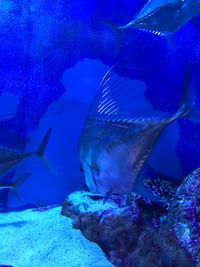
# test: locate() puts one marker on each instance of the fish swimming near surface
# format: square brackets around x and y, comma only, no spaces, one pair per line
[114,147]
[164,16]
[9,158]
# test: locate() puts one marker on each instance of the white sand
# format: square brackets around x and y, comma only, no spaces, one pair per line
[32,239]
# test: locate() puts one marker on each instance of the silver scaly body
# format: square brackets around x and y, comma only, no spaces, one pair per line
[164,16]
[114,147]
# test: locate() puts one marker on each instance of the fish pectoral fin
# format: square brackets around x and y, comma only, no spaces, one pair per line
[140,164]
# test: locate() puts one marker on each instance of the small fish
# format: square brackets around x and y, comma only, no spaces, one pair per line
[114,147]
[9,158]
[164,16]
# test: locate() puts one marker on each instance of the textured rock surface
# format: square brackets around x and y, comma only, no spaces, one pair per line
[184,215]
[104,223]
[131,233]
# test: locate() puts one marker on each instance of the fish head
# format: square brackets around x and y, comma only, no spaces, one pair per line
[189,10]
[166,17]
[109,169]
[89,158]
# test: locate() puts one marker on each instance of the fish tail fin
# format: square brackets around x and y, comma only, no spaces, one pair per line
[187,109]
[19,181]
[183,112]
[17,195]
[118,30]
[42,148]
[196,23]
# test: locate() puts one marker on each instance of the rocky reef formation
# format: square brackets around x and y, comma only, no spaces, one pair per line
[184,215]
[133,231]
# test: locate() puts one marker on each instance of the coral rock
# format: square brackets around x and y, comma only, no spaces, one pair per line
[184,215]
[133,233]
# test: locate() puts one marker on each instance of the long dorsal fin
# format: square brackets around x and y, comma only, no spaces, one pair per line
[104,104]
[112,98]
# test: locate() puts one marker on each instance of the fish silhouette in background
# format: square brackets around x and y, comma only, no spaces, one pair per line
[164,16]
[13,186]
[9,158]
[114,147]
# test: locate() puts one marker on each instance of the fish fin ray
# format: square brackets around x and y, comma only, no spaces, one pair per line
[103,102]
[112,98]
[21,179]
[90,181]
[112,102]
[42,148]
[130,122]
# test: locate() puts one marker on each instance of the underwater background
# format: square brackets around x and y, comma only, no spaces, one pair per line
[53,56]
[57,61]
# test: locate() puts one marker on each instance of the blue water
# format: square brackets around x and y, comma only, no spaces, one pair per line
[53,57]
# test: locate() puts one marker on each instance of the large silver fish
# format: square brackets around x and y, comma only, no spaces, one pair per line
[115,147]
[9,158]
[164,16]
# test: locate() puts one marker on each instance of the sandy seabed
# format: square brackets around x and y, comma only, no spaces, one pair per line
[33,238]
